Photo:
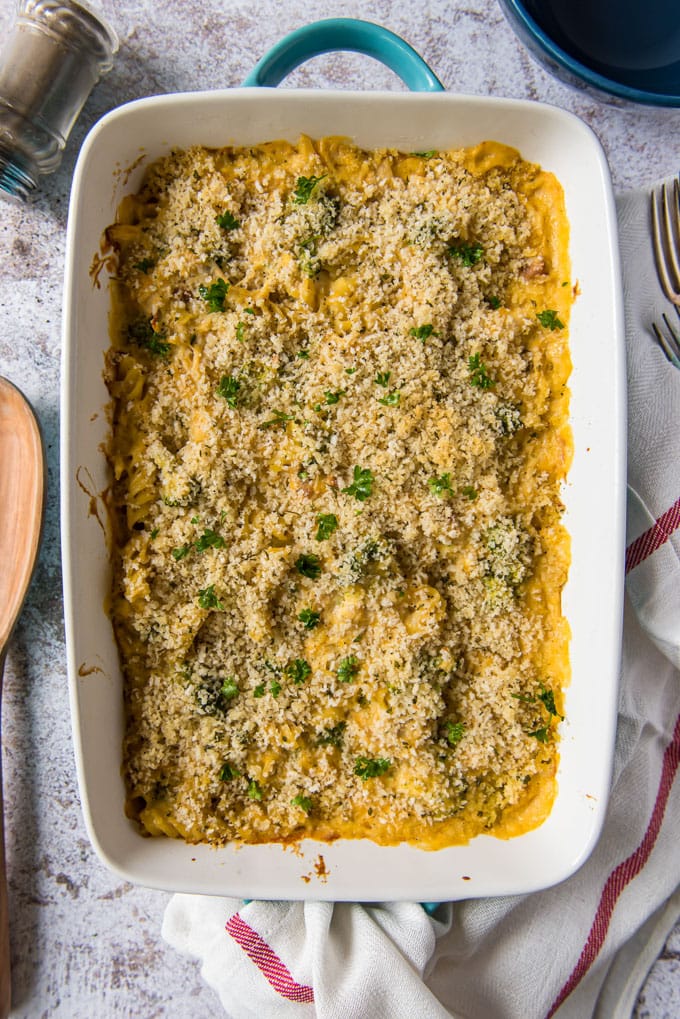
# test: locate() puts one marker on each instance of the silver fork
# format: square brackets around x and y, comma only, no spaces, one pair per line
[669,338]
[666,237]
[666,241]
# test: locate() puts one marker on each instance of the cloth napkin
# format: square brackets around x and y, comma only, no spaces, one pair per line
[579,949]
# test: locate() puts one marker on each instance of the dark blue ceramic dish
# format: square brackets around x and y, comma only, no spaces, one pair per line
[624,48]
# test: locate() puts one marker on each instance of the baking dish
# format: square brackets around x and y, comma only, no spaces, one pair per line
[111,164]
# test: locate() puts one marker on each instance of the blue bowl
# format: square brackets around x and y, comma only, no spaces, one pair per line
[624,48]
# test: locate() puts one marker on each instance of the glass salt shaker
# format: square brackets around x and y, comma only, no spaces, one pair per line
[52,59]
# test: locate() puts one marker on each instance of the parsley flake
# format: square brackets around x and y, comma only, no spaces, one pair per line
[371,767]
[425,155]
[144,265]
[454,733]
[229,389]
[227,221]
[308,565]
[144,335]
[227,772]
[549,319]
[468,254]
[207,598]
[254,791]
[298,670]
[362,484]
[214,295]
[259,690]
[440,485]
[327,524]
[382,379]
[229,689]
[240,331]
[304,188]
[470,492]
[275,688]
[348,669]
[542,734]
[309,618]
[332,398]
[333,736]
[279,419]
[391,399]
[303,802]
[423,333]
[209,539]
[179,553]
[479,376]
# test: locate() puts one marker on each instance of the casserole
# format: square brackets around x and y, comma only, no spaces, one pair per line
[112,164]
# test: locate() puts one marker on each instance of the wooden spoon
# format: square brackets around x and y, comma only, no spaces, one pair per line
[22,494]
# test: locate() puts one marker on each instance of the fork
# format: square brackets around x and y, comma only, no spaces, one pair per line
[669,338]
[666,242]
[666,238]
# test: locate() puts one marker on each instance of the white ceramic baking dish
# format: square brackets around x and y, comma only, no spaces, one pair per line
[111,164]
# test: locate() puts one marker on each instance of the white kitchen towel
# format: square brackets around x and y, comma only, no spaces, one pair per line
[570,951]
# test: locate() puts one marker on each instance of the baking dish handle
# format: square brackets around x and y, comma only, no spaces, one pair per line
[347,34]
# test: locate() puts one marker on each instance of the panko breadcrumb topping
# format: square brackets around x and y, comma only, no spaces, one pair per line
[339,435]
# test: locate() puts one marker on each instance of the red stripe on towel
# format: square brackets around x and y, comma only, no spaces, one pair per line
[267,961]
[657,535]
[624,873]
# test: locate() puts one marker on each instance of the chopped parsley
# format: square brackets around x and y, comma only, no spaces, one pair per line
[493,302]
[327,524]
[303,802]
[209,539]
[308,565]
[333,736]
[304,188]
[229,389]
[332,398]
[454,733]
[391,399]
[181,552]
[348,669]
[542,734]
[549,319]
[479,376]
[240,331]
[362,484]
[371,767]
[279,419]
[547,698]
[214,295]
[422,333]
[259,690]
[275,688]
[207,598]
[227,221]
[144,265]
[309,618]
[303,354]
[298,670]
[440,485]
[468,254]
[229,689]
[227,772]
[470,492]
[382,379]
[254,791]
[425,155]
[143,334]
[154,533]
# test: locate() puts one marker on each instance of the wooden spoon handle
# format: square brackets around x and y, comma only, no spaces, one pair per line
[5,966]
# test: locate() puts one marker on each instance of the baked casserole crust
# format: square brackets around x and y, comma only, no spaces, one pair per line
[339,434]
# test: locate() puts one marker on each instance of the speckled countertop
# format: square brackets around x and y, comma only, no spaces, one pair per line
[84,944]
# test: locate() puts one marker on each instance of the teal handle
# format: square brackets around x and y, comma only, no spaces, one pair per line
[347,34]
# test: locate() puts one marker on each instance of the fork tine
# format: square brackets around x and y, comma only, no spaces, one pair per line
[669,344]
[666,239]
